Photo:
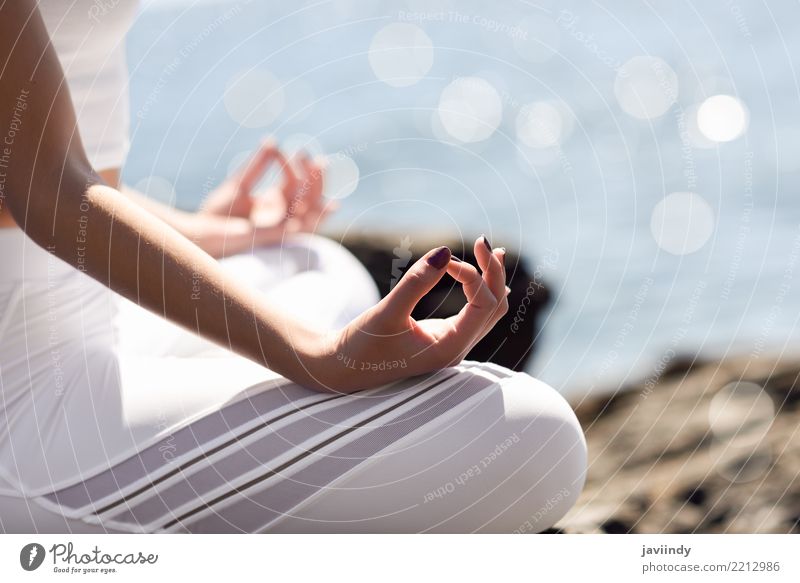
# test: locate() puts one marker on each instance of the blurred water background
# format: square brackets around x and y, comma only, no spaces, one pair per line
[643,155]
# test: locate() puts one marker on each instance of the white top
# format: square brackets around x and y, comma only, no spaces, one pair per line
[89,37]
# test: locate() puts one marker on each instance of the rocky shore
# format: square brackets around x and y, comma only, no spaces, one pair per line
[708,447]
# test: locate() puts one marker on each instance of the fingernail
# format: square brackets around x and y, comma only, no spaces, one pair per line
[456,259]
[486,242]
[502,251]
[508,290]
[439,258]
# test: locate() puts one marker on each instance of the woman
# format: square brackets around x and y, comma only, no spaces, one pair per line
[149,387]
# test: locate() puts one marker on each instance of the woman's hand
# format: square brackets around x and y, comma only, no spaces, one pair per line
[294,205]
[385,343]
[235,219]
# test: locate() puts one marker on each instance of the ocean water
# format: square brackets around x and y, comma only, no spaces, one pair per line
[573,131]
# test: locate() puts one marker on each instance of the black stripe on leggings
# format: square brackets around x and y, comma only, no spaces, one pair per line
[305,454]
[210,452]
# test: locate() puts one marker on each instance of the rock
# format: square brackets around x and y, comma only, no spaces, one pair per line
[616,526]
[694,495]
[662,462]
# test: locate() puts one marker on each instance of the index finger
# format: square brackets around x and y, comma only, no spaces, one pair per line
[470,324]
[290,178]
[257,164]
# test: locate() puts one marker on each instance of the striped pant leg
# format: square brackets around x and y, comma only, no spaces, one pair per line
[503,453]
[471,448]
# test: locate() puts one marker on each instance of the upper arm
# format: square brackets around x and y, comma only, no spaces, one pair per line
[40,149]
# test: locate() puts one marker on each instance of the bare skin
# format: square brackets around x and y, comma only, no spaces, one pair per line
[145,251]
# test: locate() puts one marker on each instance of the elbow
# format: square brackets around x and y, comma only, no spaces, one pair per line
[38,200]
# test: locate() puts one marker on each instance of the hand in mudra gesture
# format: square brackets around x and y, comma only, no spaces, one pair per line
[367,351]
[294,205]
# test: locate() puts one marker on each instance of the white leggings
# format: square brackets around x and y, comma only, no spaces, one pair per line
[114,420]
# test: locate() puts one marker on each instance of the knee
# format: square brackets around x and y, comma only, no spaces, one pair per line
[292,275]
[321,254]
[342,272]
[557,431]
[545,470]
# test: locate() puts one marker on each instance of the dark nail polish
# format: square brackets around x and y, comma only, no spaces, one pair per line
[486,242]
[439,258]
[456,259]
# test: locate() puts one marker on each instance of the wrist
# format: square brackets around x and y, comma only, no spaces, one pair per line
[317,356]
[312,359]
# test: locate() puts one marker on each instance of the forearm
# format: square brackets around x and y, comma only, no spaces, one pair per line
[217,236]
[100,231]
[175,218]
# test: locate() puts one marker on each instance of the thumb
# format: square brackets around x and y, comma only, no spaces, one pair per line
[417,282]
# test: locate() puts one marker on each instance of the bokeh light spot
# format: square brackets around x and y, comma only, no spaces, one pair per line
[401,54]
[722,118]
[470,109]
[741,410]
[682,223]
[646,87]
[341,176]
[540,125]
